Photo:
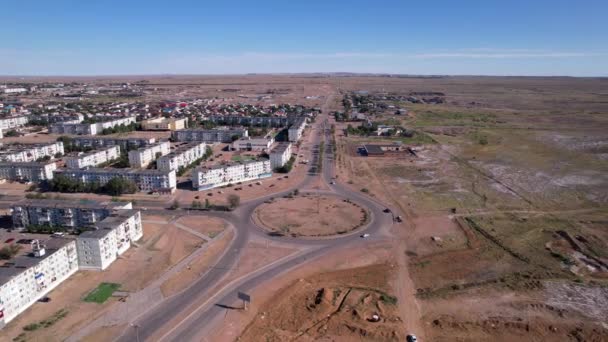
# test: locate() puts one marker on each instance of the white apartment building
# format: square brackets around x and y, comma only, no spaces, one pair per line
[34,172]
[257,144]
[89,128]
[222,135]
[164,124]
[142,157]
[146,180]
[42,263]
[13,90]
[93,158]
[182,156]
[26,153]
[101,246]
[296,130]
[280,155]
[13,122]
[62,213]
[220,175]
[125,143]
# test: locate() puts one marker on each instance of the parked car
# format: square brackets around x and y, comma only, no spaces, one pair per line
[387,210]
[366,235]
[411,338]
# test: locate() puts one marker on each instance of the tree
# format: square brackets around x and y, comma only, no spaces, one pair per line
[174,205]
[234,201]
[195,205]
[207,203]
[234,138]
[58,155]
[118,186]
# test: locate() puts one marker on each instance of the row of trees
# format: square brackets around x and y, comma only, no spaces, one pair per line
[121,128]
[114,187]
[287,167]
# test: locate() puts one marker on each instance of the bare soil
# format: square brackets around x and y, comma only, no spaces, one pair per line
[310,215]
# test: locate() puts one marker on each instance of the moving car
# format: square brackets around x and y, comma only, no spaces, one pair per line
[363,236]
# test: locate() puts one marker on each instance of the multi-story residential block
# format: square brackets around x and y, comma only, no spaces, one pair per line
[146,180]
[296,130]
[34,172]
[266,121]
[90,128]
[42,263]
[164,124]
[26,153]
[256,144]
[11,122]
[280,155]
[100,142]
[66,118]
[223,135]
[182,156]
[144,156]
[59,213]
[220,175]
[93,158]
[99,247]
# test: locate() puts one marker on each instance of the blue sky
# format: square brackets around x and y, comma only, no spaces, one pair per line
[473,37]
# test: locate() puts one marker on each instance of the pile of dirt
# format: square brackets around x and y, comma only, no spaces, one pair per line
[352,304]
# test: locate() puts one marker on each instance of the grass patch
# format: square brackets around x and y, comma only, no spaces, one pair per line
[388,299]
[101,293]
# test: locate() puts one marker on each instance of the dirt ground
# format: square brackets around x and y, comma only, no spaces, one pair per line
[310,215]
[162,246]
[209,226]
[328,306]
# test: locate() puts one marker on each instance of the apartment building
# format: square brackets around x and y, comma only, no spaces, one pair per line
[256,144]
[42,263]
[126,143]
[280,155]
[146,180]
[99,247]
[93,158]
[65,118]
[144,156]
[90,128]
[211,177]
[13,90]
[27,153]
[182,156]
[12,122]
[296,130]
[221,135]
[164,124]
[265,121]
[34,172]
[59,213]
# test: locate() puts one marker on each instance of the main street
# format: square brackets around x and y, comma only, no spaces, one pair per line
[187,315]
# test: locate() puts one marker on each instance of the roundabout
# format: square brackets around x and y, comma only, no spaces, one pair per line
[310,215]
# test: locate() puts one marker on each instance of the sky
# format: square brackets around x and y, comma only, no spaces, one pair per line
[439,37]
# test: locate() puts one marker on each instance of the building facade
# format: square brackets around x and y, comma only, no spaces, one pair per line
[34,171]
[99,247]
[257,144]
[280,155]
[144,156]
[58,213]
[220,175]
[42,264]
[146,180]
[210,135]
[90,128]
[100,142]
[27,153]
[93,158]
[164,124]
[182,157]
[296,130]
[12,122]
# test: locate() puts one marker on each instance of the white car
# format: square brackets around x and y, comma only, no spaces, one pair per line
[411,338]
[363,236]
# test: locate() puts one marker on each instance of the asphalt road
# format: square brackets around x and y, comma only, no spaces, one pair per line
[202,307]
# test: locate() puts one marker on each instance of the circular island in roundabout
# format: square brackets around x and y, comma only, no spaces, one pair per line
[310,215]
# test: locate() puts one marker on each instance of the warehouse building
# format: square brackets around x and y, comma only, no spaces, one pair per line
[211,177]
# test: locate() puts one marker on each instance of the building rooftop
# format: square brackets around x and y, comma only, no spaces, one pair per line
[21,164]
[25,259]
[80,204]
[229,164]
[182,147]
[280,147]
[115,171]
[105,226]
[17,147]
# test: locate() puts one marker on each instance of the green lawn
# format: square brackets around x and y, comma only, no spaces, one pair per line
[101,293]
